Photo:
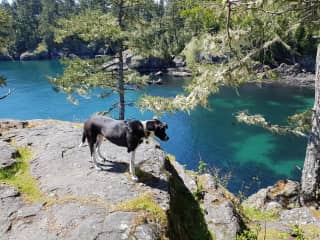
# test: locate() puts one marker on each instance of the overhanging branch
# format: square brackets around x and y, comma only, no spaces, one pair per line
[259,120]
[7,94]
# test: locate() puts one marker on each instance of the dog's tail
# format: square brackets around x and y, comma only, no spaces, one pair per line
[83,139]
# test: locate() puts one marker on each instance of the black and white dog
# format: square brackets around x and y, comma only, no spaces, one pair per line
[129,134]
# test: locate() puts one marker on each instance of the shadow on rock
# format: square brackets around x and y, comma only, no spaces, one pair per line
[114,167]
[151,180]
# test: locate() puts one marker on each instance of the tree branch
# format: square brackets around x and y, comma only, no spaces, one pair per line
[7,94]
[259,120]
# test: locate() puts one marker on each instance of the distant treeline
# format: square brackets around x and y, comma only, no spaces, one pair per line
[31,27]
[32,23]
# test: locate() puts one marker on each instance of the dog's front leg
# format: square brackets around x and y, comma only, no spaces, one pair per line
[100,154]
[132,166]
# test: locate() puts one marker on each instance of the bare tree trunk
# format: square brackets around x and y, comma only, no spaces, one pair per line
[310,180]
[121,84]
[121,76]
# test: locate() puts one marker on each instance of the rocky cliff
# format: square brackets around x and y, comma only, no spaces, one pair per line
[71,200]
[50,190]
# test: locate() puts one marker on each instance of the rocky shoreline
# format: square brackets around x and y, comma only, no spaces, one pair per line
[72,200]
[292,76]
[287,75]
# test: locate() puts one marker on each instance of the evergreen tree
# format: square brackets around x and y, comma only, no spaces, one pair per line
[249,34]
[5,24]
[49,14]
[116,29]
[26,21]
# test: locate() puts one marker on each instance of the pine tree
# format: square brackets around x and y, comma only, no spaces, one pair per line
[248,35]
[114,29]
[5,25]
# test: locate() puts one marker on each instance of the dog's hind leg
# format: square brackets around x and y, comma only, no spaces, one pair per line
[93,149]
[83,139]
[132,167]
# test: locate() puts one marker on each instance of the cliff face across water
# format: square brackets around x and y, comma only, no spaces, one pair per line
[50,190]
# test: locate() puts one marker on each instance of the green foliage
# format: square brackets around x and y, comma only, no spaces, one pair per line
[5,20]
[26,24]
[297,232]
[247,235]
[246,36]
[202,167]
[199,18]
[2,81]
[19,176]
[298,124]
[260,215]
[301,121]
[92,25]
[144,202]
[221,179]
[111,29]
[82,76]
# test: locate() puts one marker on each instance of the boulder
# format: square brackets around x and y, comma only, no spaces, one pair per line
[285,69]
[217,203]
[284,194]
[179,61]
[179,72]
[299,216]
[212,59]
[8,155]
[34,55]
[220,209]
[146,64]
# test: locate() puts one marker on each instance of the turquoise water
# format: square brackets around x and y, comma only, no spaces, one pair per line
[213,136]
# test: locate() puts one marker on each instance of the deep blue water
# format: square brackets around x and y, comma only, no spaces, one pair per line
[213,136]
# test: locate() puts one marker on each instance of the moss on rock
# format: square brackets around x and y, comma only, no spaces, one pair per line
[18,175]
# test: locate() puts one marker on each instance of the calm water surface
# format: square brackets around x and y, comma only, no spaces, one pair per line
[213,136]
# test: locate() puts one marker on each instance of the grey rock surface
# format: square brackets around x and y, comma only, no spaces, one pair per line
[79,201]
[281,200]
[179,72]
[220,212]
[299,216]
[217,203]
[8,155]
[284,194]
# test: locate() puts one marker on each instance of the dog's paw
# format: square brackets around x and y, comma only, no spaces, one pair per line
[97,167]
[134,178]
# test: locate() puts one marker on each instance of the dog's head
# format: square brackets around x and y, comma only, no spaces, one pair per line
[158,128]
